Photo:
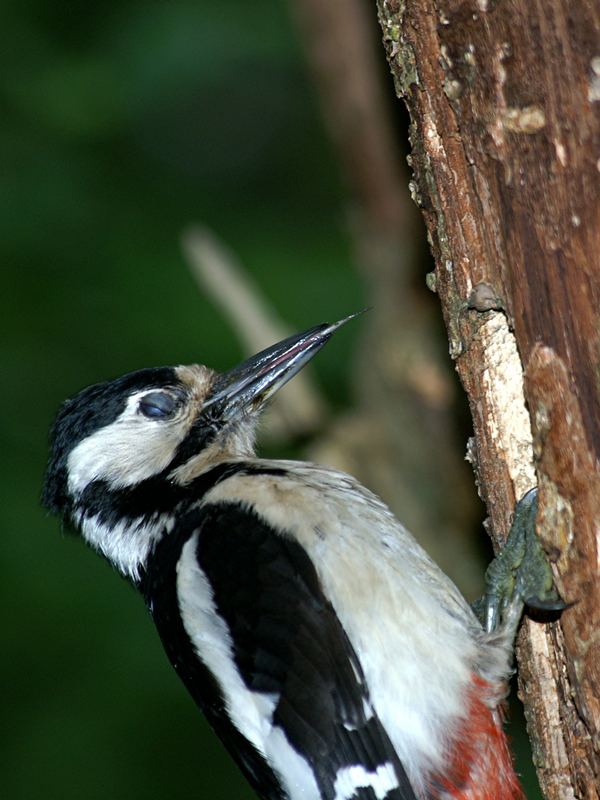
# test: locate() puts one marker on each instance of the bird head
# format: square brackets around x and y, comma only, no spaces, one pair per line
[167,422]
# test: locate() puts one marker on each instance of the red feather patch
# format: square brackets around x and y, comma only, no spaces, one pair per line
[481,766]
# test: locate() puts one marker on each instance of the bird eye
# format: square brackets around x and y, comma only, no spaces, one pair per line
[158,405]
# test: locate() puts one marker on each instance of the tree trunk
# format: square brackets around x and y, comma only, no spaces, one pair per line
[504,99]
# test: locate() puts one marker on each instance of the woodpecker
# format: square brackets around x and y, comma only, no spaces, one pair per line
[326,649]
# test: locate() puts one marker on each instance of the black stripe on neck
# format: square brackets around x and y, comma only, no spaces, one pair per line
[158,495]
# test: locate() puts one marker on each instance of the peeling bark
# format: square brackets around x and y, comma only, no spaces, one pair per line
[504,101]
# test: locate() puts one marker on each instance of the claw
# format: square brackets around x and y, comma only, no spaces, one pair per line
[537,604]
[519,575]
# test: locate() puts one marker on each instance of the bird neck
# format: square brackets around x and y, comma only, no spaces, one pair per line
[125,525]
[234,444]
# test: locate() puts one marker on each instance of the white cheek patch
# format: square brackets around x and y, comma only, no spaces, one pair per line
[129,450]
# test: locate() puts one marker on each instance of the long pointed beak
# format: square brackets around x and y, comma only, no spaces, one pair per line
[248,386]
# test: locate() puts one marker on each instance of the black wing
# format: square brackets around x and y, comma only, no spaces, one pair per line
[289,643]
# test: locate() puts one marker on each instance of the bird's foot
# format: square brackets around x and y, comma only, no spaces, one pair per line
[519,576]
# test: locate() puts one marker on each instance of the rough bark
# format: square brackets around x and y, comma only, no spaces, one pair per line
[504,99]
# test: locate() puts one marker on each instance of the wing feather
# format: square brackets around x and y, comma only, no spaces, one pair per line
[289,645]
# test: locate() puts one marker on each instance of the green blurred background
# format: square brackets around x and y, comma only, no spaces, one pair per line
[121,124]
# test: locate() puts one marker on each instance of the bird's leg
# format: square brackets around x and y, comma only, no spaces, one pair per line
[519,576]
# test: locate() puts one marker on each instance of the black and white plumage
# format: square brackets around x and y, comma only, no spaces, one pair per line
[326,649]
